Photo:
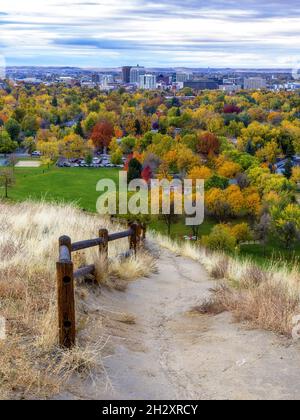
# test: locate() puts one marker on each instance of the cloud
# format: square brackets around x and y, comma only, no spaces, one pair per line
[104,44]
[214,32]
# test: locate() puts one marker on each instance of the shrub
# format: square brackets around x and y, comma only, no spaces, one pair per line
[220,239]
[241,232]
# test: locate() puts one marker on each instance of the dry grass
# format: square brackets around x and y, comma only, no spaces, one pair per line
[266,299]
[31,365]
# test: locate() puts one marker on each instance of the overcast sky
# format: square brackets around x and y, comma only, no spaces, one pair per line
[110,33]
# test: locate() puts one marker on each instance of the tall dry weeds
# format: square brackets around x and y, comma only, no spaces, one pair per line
[31,365]
[265,298]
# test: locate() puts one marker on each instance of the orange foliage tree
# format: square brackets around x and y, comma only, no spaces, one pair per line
[208,144]
[102,134]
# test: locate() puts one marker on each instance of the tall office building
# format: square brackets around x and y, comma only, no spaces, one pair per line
[126,74]
[183,77]
[135,73]
[95,78]
[147,82]
[255,83]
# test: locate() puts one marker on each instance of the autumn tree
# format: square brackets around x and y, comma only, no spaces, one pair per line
[102,135]
[200,172]
[217,205]
[116,156]
[73,146]
[296,174]
[208,144]
[147,173]
[229,169]
[241,232]
[269,152]
[49,149]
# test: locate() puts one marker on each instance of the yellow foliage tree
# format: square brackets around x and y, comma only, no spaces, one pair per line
[200,172]
[229,169]
[296,175]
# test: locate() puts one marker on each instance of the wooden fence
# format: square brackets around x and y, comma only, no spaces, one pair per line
[66,275]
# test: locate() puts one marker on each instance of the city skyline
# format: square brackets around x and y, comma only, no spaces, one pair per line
[157,34]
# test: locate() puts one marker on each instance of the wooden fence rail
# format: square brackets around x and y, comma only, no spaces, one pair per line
[66,275]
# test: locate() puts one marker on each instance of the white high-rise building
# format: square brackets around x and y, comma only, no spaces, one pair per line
[148,82]
[135,73]
[255,83]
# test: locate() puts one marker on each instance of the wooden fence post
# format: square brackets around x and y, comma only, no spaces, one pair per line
[144,230]
[66,297]
[133,237]
[103,248]
[139,234]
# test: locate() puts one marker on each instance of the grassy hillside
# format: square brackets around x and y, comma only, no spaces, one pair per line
[31,364]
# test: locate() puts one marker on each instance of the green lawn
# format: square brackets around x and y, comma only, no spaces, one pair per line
[179,230]
[274,251]
[78,185]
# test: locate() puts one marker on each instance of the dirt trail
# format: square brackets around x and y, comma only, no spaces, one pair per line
[171,354]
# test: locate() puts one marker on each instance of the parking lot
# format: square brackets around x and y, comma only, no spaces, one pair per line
[103,161]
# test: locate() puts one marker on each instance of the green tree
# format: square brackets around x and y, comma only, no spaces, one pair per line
[13,128]
[217,181]
[29,144]
[134,170]
[288,169]
[220,239]
[79,130]
[7,145]
[89,159]
[116,157]
[30,126]
[288,234]
[54,102]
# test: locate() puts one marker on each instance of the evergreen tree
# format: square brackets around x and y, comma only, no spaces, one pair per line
[250,148]
[54,102]
[138,128]
[78,129]
[134,170]
[288,169]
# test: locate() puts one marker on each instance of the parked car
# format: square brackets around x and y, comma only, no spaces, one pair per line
[36,153]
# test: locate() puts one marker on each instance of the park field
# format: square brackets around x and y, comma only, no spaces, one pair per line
[70,185]
[78,186]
